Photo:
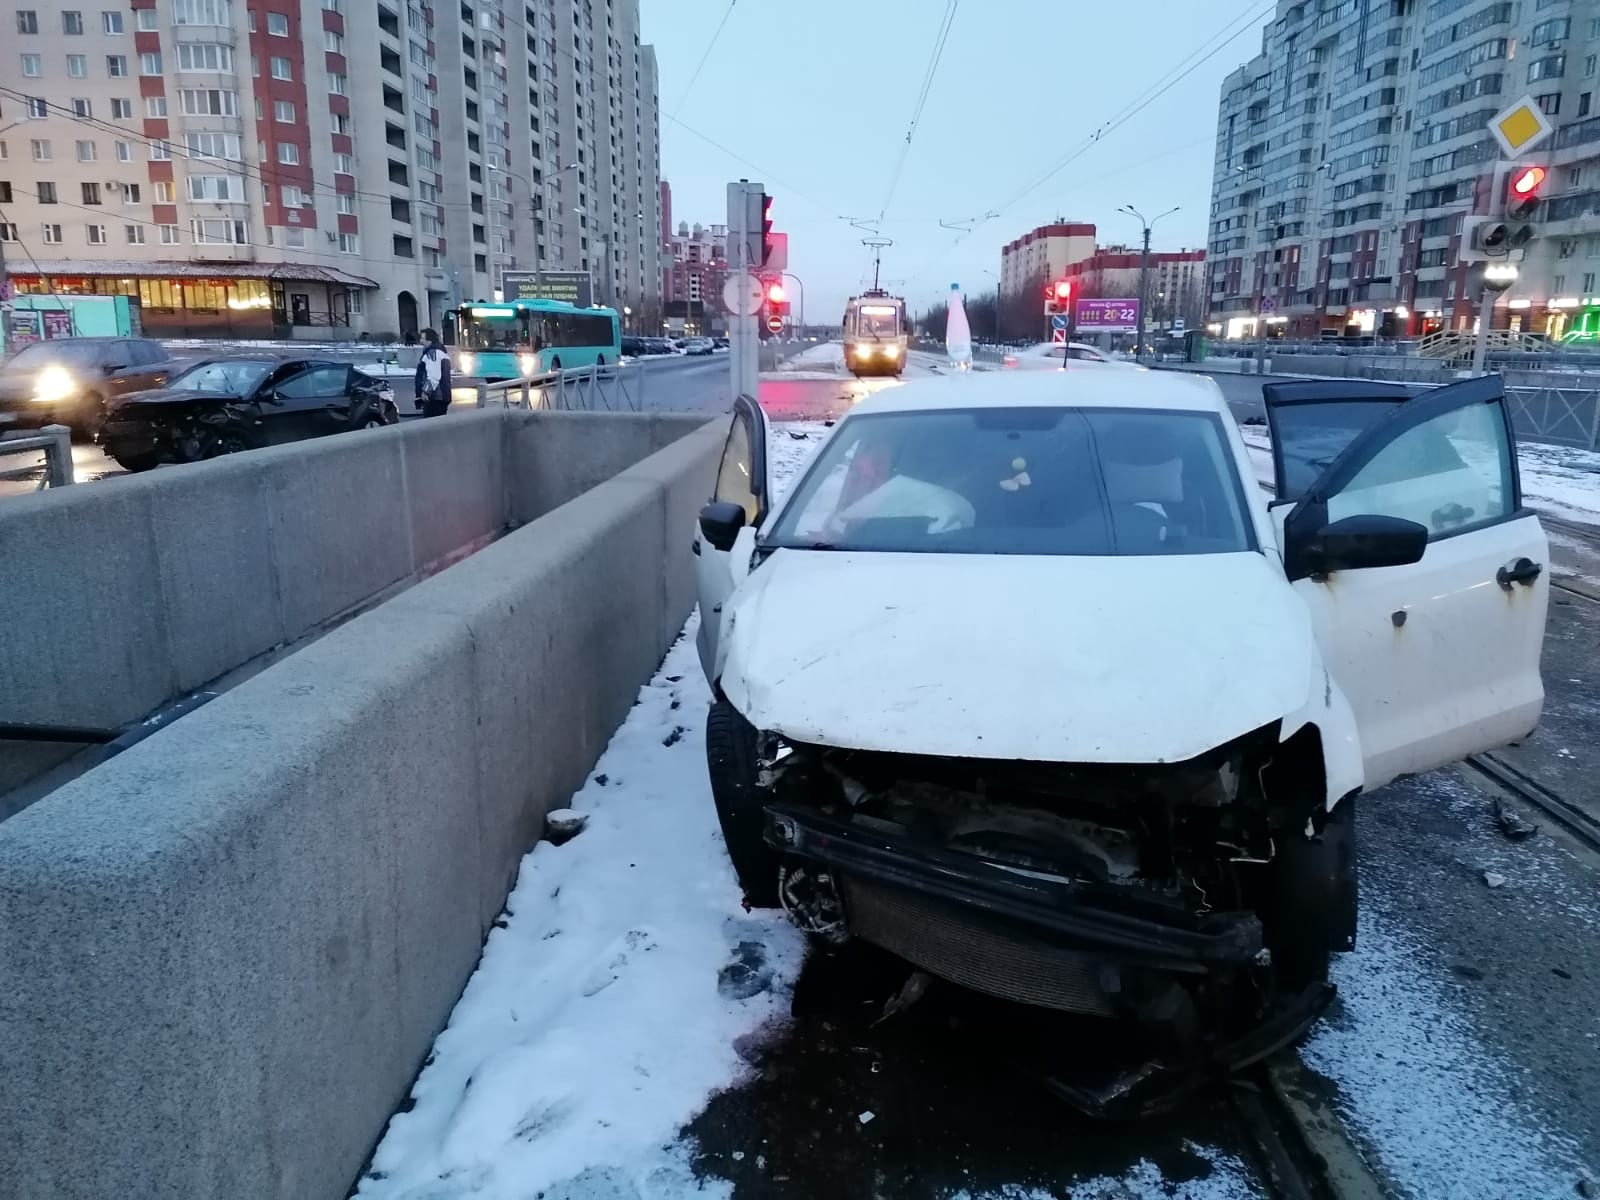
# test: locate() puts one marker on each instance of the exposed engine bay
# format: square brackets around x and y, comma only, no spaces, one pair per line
[1199,898]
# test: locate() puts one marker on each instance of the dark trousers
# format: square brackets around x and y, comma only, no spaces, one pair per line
[435,402]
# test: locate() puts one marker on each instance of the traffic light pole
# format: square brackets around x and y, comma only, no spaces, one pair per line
[744,342]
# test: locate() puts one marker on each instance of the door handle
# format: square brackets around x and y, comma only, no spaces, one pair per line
[1522,570]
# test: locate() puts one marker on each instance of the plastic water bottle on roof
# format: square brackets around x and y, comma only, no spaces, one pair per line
[957,331]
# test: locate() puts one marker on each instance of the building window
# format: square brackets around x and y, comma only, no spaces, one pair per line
[294,237]
[41,150]
[72,22]
[150,63]
[1583,103]
[52,235]
[82,108]
[160,151]
[283,112]
[8,232]
[349,243]
[281,68]
[220,189]
[343,164]
[97,235]
[205,56]
[32,66]
[338,85]
[202,12]
[295,196]
[86,153]
[346,203]
[117,66]
[134,234]
[27,21]
[122,110]
[1551,67]
[1588,283]
[333,5]
[146,20]
[1558,283]
[277,24]
[38,108]
[46,192]
[214,145]
[333,42]
[131,193]
[218,231]
[161,190]
[208,102]
[169,235]
[155,106]
[124,151]
[91,193]
[288,153]
[78,66]
[340,122]
[111,22]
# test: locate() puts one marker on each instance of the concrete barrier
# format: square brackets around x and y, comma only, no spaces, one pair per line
[226,951]
[122,596]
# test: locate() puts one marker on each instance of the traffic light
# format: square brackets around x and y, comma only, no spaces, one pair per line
[775,293]
[1522,195]
[767,242]
[1058,297]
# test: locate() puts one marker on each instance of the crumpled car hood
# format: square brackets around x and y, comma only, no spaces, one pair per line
[1059,659]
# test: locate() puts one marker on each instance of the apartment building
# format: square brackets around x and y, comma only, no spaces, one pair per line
[1350,150]
[1044,254]
[203,155]
[1174,281]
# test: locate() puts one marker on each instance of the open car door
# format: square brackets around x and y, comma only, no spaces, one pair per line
[1437,653]
[739,503]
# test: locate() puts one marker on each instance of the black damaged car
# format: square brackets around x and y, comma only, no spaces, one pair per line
[227,404]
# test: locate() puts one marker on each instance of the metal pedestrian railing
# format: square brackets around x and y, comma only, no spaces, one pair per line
[55,443]
[575,389]
[1569,416]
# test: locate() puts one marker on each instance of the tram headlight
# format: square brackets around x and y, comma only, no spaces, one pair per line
[891,351]
[863,350]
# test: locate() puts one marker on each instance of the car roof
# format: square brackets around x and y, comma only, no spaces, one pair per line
[1134,388]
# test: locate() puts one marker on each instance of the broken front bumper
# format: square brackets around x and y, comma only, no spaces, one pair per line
[1023,935]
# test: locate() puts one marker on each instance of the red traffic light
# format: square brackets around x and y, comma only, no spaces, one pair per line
[1526,181]
[775,293]
[1063,289]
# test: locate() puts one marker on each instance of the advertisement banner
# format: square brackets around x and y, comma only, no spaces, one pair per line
[1107,316]
[573,287]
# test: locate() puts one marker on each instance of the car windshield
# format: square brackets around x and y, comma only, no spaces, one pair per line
[43,354]
[1022,481]
[234,376]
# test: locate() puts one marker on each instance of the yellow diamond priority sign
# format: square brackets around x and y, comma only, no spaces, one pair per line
[1520,127]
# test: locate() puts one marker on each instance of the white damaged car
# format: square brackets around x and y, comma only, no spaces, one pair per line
[1031,685]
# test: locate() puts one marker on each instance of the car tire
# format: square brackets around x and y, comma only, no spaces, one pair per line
[731,762]
[135,462]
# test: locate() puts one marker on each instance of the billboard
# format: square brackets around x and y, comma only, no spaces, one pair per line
[1107,316]
[574,287]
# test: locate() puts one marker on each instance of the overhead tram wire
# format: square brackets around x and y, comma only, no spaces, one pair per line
[699,66]
[1185,67]
[928,77]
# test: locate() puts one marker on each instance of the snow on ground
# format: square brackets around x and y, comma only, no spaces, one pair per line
[1560,480]
[596,1025]
[1415,1085]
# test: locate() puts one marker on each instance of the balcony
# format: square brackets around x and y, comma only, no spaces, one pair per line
[222,252]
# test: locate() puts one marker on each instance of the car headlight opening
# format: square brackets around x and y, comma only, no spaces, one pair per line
[54,383]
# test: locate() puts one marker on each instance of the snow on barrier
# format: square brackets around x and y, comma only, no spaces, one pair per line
[225,952]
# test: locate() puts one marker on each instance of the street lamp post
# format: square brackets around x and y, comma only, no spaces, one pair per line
[801,282]
[1144,266]
[540,213]
[996,279]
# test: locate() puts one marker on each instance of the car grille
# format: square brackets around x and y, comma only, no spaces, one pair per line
[963,947]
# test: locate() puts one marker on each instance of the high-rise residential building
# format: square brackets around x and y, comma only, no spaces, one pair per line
[221,160]
[696,269]
[1043,254]
[1350,150]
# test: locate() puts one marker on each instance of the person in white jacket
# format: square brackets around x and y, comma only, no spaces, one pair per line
[433,376]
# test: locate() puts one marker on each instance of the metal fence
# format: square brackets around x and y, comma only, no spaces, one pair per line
[1568,416]
[55,443]
[577,389]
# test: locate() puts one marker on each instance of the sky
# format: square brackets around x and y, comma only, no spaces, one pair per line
[814,98]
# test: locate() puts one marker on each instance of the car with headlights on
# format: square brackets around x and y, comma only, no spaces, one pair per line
[69,381]
[1031,684]
[230,403]
[1056,356]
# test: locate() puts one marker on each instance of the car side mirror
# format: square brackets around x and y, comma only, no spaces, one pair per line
[720,522]
[1366,540]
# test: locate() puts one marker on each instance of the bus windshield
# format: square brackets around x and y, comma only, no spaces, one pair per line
[492,329]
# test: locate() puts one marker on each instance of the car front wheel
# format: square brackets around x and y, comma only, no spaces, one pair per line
[731,761]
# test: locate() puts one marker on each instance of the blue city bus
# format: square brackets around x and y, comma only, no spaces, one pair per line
[517,338]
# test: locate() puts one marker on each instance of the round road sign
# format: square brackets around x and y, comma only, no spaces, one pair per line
[774,324]
[743,295]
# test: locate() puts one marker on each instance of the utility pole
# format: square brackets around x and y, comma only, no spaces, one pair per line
[1144,268]
[743,294]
